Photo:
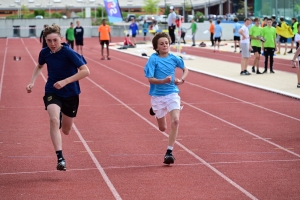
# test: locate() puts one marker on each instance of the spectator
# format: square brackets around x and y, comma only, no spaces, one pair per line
[236,36]
[245,46]
[104,38]
[70,35]
[134,30]
[269,46]
[145,29]
[212,31]
[79,31]
[194,30]
[172,24]
[217,35]
[295,31]
[42,37]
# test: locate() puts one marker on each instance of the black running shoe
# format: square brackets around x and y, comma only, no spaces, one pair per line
[253,69]
[298,85]
[151,112]
[258,72]
[169,159]
[272,72]
[60,119]
[61,165]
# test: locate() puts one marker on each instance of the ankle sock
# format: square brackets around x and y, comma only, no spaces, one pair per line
[169,152]
[59,155]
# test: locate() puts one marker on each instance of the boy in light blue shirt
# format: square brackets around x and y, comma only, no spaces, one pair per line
[217,35]
[236,36]
[160,71]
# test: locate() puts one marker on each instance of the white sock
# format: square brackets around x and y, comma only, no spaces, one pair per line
[170,148]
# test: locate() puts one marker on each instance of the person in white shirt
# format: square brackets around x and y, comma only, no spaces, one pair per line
[245,46]
[172,24]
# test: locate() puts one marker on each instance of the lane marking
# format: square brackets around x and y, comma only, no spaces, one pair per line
[96,162]
[220,93]
[179,144]
[148,166]
[203,111]
[2,72]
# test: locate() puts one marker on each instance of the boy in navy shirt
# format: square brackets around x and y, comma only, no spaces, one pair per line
[65,68]
[160,71]
[79,31]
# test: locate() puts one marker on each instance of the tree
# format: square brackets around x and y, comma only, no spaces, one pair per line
[39,12]
[242,8]
[151,6]
[167,10]
[187,6]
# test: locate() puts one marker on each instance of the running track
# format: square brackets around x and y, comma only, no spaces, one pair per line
[235,142]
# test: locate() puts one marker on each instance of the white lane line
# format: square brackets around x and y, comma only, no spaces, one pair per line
[96,162]
[2,72]
[148,166]
[203,111]
[179,144]
[220,93]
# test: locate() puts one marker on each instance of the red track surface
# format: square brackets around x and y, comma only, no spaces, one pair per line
[235,142]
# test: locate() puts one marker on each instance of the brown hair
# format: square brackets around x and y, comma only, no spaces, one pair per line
[52,29]
[157,37]
[256,19]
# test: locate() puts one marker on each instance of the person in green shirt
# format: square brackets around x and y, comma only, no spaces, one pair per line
[295,31]
[70,36]
[194,30]
[269,46]
[255,36]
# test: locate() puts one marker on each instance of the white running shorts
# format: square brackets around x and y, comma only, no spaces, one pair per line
[163,104]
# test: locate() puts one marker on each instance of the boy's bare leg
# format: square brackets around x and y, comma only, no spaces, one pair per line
[67,123]
[162,123]
[53,112]
[174,126]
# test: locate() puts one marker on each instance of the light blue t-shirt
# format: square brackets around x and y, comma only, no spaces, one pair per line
[237,26]
[160,68]
[218,30]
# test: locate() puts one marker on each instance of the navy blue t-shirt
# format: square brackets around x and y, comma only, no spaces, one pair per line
[78,32]
[61,65]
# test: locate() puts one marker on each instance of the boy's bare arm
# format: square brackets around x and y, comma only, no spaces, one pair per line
[36,72]
[168,79]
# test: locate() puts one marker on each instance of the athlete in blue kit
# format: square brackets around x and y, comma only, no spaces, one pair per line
[160,71]
[65,68]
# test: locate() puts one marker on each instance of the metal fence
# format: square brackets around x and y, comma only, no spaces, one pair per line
[279,8]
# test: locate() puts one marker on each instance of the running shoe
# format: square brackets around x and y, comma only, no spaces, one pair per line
[169,159]
[152,113]
[298,85]
[253,69]
[61,165]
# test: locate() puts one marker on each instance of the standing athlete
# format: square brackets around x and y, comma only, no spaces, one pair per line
[104,38]
[79,31]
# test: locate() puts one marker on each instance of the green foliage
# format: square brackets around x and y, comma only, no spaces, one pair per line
[187,6]
[150,6]
[242,10]
[12,17]
[167,10]
[99,12]
[56,15]
[199,16]
[266,8]
[39,12]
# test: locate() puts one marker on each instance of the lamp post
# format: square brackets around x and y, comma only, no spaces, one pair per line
[49,4]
